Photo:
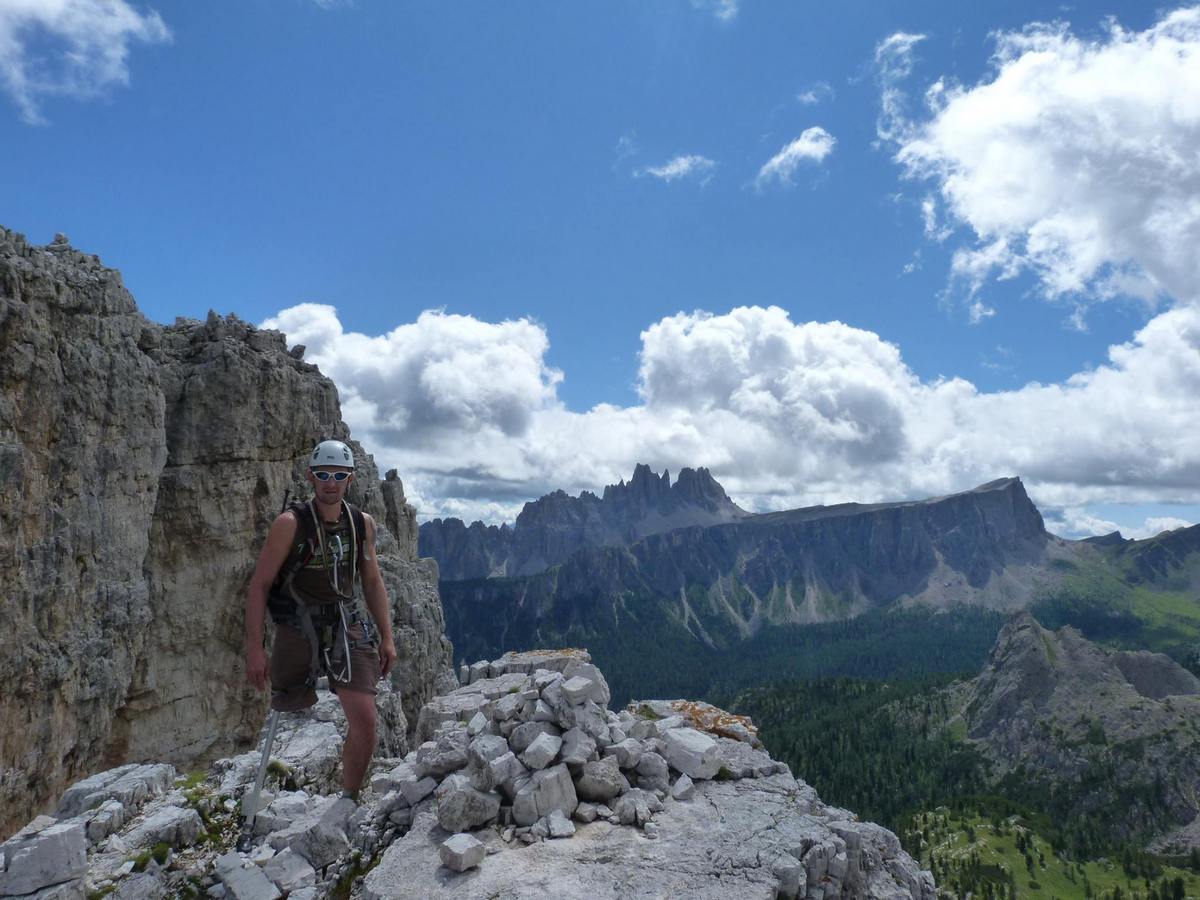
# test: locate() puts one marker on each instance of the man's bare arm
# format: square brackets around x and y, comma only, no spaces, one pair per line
[270,559]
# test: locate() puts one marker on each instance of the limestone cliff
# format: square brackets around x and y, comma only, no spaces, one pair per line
[141,465]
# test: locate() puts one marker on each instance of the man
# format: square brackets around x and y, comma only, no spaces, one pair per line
[328,545]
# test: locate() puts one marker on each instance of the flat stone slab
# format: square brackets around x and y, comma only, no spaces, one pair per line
[51,856]
[131,785]
[178,826]
[244,880]
[733,846]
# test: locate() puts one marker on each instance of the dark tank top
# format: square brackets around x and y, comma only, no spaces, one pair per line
[315,581]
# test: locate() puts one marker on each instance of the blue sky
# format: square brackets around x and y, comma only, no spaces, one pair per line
[585,192]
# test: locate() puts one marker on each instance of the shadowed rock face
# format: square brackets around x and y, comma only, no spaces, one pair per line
[1062,709]
[549,530]
[721,583]
[141,465]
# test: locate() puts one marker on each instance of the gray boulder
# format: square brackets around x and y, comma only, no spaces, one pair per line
[692,753]
[683,789]
[601,780]
[524,735]
[577,747]
[653,774]
[627,752]
[505,770]
[243,880]
[542,751]
[416,791]
[289,871]
[546,791]
[559,825]
[320,836]
[461,806]
[446,754]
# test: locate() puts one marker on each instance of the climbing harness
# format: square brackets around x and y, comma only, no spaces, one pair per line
[327,625]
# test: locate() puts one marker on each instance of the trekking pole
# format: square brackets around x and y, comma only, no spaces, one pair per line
[247,833]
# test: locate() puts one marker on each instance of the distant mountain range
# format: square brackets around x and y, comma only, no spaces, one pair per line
[685,562]
[678,583]
[651,563]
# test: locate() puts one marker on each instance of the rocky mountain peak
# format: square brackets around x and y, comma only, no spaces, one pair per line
[552,528]
[1061,706]
[698,487]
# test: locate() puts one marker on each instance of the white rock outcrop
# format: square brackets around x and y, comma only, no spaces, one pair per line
[463,817]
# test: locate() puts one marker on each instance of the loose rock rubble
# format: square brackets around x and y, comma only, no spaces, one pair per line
[525,784]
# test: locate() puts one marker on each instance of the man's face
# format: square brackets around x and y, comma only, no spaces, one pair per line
[330,490]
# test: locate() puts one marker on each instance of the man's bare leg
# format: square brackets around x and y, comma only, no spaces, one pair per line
[360,738]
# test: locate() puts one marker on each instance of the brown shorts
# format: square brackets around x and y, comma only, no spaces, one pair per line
[290,658]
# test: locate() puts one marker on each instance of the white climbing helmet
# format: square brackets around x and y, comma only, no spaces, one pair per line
[331,453]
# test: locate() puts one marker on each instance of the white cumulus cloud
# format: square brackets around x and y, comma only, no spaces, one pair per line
[90,42]
[682,166]
[1075,159]
[440,379]
[784,413]
[813,145]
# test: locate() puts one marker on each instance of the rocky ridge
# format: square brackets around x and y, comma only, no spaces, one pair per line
[720,584]
[141,465]
[1112,733]
[527,786]
[550,529]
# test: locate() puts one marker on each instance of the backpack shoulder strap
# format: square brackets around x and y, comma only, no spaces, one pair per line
[358,526]
[303,543]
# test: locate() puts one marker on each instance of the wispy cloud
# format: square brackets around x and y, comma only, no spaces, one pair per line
[91,37]
[815,94]
[627,147]
[724,10]
[813,145]
[894,62]
[682,166]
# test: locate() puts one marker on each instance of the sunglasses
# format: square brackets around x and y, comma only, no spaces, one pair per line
[336,476]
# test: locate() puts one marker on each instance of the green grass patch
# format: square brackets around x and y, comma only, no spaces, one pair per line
[192,780]
[1006,856]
